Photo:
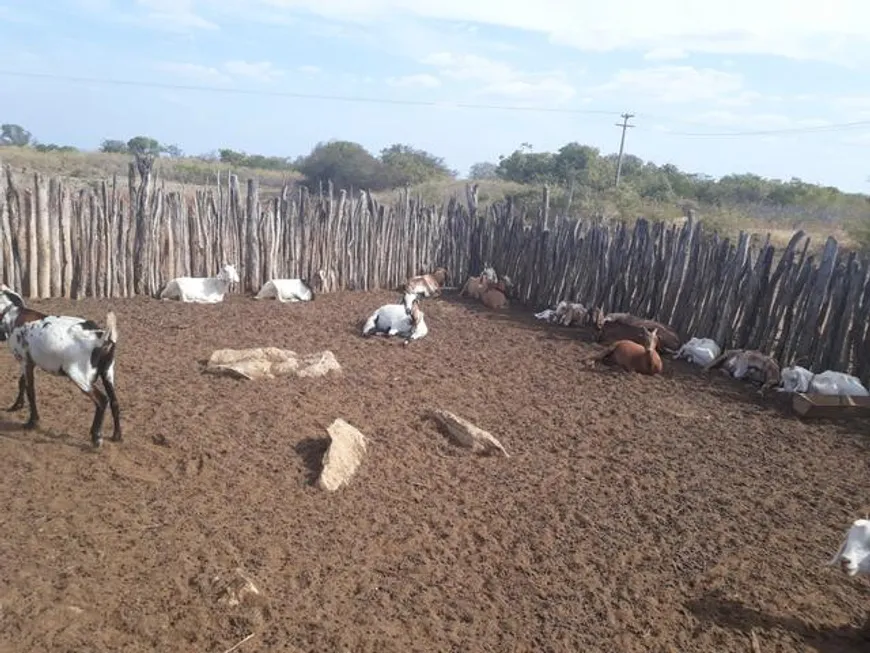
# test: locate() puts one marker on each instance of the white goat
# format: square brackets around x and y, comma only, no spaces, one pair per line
[286,290]
[854,554]
[202,290]
[398,320]
[62,346]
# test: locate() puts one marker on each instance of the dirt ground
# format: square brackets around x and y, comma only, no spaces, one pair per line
[675,514]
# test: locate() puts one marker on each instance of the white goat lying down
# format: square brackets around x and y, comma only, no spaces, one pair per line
[854,554]
[286,290]
[398,320]
[202,290]
[61,345]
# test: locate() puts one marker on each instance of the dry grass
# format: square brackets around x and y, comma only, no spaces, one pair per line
[93,166]
[85,168]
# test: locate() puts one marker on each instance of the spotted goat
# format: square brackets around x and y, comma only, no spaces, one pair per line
[62,345]
[403,319]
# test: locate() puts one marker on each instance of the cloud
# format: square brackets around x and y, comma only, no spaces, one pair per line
[665,54]
[309,70]
[16,15]
[499,78]
[679,84]
[861,139]
[175,14]
[832,32]
[261,71]
[166,15]
[756,121]
[198,72]
[856,107]
[420,81]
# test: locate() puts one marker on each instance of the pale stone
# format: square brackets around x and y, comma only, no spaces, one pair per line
[236,589]
[467,435]
[270,362]
[343,457]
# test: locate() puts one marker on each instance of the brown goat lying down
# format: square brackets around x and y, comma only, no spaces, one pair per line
[494,296]
[428,285]
[474,287]
[624,326]
[633,357]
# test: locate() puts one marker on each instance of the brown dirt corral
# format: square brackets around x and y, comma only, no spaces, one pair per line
[635,514]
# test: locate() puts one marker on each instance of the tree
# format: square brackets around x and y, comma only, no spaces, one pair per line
[143,145]
[574,163]
[483,171]
[14,135]
[405,165]
[113,146]
[231,156]
[172,151]
[52,147]
[346,164]
[527,167]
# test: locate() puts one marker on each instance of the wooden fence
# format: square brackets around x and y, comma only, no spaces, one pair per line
[108,240]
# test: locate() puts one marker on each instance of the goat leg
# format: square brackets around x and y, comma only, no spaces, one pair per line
[600,356]
[33,421]
[19,401]
[113,404]
[99,413]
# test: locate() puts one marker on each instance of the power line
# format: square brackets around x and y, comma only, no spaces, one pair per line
[774,132]
[624,124]
[304,96]
[434,103]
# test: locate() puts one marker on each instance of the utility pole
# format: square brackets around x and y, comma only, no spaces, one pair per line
[624,124]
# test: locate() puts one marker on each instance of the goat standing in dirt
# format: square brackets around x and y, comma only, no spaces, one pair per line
[62,345]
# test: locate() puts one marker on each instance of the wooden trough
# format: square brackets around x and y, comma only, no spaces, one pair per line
[807,404]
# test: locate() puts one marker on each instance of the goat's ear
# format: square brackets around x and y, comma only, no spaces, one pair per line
[14,297]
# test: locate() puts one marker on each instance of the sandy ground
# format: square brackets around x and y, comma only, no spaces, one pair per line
[670,514]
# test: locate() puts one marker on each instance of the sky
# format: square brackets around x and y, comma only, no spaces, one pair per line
[763,86]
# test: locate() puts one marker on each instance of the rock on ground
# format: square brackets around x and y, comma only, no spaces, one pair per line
[466,434]
[235,589]
[343,456]
[270,362]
